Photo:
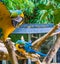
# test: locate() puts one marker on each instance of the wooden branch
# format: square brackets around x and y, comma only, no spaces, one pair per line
[52,52]
[38,62]
[5,56]
[36,44]
[4,53]
[56,33]
[11,52]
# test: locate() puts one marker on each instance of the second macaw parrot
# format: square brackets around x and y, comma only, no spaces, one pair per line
[8,22]
[26,47]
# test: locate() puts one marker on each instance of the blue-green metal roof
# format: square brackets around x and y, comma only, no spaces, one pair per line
[34,28]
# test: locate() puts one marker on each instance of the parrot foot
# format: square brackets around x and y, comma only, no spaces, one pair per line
[19,54]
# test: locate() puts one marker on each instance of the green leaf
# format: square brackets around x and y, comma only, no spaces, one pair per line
[41,6]
[45,7]
[57,1]
[49,6]
[43,16]
[56,16]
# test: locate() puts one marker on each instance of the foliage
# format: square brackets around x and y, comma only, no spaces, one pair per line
[36,11]
[15,37]
[19,4]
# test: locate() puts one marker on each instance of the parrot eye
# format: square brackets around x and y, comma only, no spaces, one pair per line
[16,21]
[20,46]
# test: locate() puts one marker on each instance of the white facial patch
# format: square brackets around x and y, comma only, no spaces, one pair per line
[18,19]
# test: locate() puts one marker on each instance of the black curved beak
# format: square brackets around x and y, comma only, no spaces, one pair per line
[17,20]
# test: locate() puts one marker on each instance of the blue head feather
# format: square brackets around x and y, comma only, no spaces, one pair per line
[17,11]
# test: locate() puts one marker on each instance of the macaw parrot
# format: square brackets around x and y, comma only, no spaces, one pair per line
[8,23]
[27,48]
[20,48]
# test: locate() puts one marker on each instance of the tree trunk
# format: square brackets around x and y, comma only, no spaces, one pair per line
[52,52]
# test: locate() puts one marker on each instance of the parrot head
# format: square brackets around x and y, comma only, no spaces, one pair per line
[17,17]
[9,21]
[22,42]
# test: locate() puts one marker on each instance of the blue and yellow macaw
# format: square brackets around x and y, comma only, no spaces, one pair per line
[26,47]
[9,20]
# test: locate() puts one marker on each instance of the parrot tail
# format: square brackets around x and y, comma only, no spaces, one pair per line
[42,54]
